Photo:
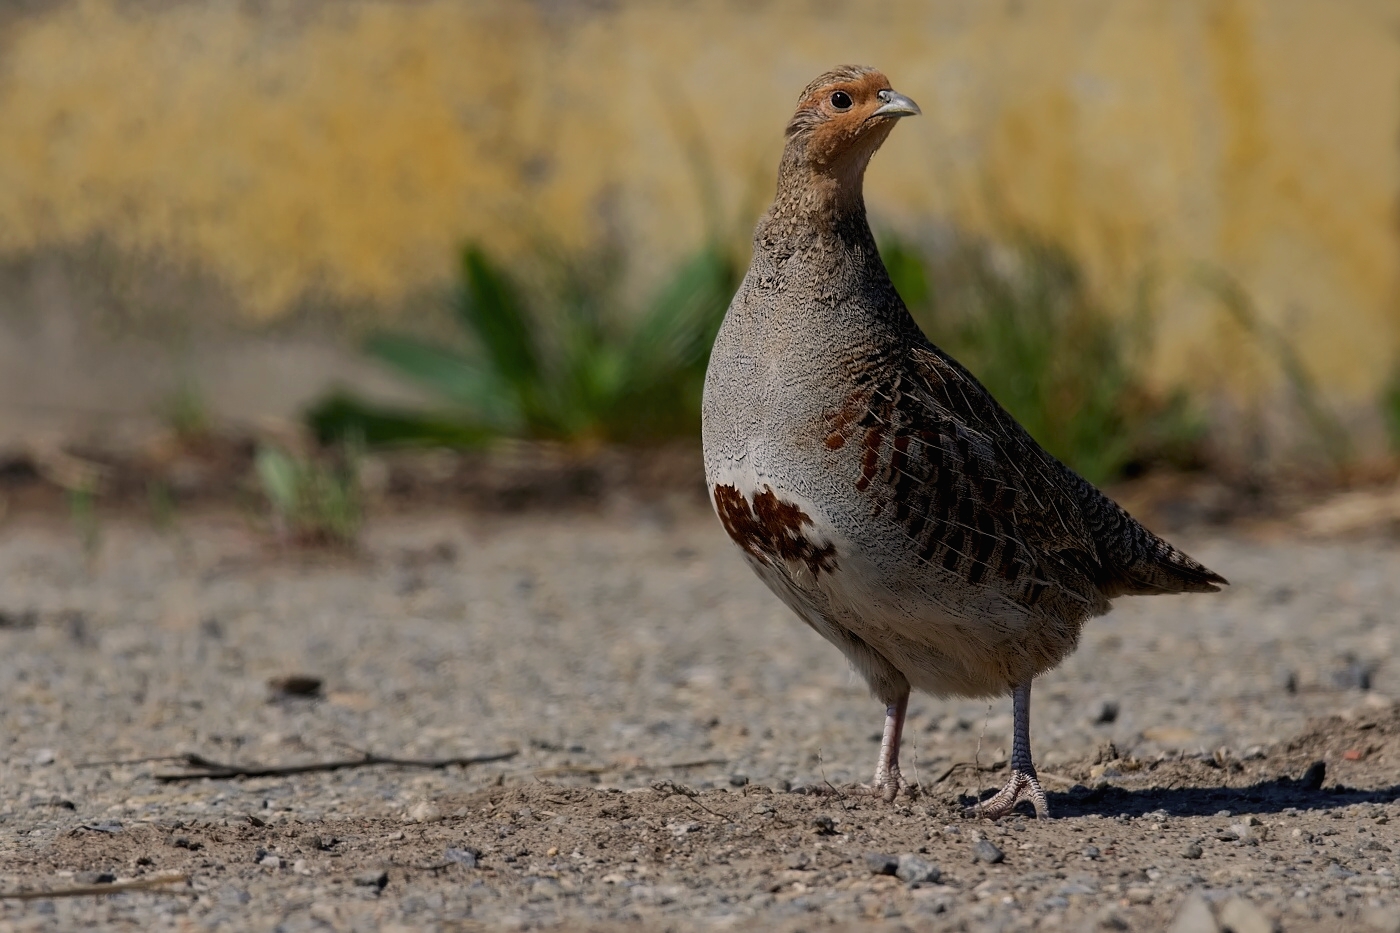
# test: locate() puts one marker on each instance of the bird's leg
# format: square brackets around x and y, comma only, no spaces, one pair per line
[1023,784]
[888,781]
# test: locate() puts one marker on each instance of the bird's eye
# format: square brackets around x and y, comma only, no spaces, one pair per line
[841,100]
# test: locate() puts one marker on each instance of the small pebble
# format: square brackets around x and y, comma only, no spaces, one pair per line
[1091,852]
[914,870]
[881,864]
[466,856]
[95,877]
[984,850]
[295,685]
[825,825]
[798,861]
[423,812]
[1193,916]
[1109,920]
[1192,851]
[1355,674]
[1313,777]
[270,861]
[1241,916]
[373,879]
[1106,713]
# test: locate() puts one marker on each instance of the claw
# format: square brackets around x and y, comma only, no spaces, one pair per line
[1022,785]
[889,784]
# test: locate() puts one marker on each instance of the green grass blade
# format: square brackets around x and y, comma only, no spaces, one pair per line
[494,314]
[341,417]
[1390,407]
[280,479]
[680,323]
[460,381]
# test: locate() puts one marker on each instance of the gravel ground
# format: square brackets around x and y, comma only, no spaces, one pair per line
[685,747]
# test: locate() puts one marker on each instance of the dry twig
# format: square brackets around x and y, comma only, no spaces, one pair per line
[88,890]
[668,788]
[214,769]
[618,766]
[958,765]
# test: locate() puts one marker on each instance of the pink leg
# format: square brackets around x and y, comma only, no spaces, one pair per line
[1023,784]
[888,781]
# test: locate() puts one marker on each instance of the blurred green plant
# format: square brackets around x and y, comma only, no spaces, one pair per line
[1020,318]
[312,502]
[160,501]
[563,360]
[187,415]
[1390,407]
[1327,428]
[82,510]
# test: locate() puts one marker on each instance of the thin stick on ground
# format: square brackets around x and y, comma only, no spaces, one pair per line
[89,890]
[627,769]
[213,769]
[958,765]
[821,769]
[668,788]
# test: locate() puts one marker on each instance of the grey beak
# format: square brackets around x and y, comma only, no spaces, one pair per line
[895,104]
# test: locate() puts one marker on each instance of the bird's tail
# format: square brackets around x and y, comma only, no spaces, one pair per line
[1135,562]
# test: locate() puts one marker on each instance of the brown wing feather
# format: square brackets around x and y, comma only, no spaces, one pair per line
[978,496]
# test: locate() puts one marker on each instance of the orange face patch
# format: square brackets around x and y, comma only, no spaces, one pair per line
[835,114]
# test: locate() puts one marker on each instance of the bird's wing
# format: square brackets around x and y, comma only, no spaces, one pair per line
[974,492]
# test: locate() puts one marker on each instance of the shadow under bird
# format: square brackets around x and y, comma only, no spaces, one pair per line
[875,485]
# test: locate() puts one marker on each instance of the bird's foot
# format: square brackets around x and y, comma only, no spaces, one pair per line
[888,784]
[1022,785]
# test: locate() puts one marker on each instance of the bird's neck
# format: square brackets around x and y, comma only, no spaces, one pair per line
[819,213]
[814,246]
[817,198]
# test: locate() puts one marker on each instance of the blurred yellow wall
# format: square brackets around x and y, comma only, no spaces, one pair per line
[301,150]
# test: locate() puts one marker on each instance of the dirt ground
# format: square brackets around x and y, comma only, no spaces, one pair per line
[684,749]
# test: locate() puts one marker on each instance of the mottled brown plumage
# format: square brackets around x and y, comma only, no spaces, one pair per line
[874,484]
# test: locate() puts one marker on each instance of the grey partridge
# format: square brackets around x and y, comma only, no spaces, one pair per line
[874,484]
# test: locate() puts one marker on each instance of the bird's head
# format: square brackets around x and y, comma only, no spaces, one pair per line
[841,119]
